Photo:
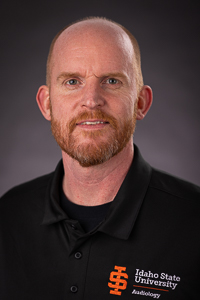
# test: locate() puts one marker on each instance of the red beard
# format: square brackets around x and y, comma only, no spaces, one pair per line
[100,149]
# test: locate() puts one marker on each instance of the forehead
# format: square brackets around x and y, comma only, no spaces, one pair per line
[93,42]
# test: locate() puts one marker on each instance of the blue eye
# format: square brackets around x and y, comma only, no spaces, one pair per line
[112,81]
[72,82]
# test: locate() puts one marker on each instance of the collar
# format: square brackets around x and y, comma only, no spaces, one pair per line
[124,209]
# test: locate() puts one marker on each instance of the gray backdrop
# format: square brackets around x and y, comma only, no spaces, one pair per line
[168,34]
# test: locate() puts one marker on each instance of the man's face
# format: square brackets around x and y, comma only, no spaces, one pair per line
[93,95]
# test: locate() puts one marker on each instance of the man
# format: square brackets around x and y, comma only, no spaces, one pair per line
[104,225]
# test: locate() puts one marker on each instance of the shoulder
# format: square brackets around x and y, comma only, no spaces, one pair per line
[174,186]
[30,190]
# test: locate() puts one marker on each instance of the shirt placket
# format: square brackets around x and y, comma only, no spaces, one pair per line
[77,260]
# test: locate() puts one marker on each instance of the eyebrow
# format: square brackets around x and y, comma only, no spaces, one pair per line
[64,75]
[115,74]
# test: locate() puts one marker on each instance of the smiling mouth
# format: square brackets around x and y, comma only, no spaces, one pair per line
[92,123]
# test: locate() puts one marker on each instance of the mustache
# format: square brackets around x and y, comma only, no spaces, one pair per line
[96,114]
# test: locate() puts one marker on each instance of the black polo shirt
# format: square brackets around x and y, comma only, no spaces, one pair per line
[147,246]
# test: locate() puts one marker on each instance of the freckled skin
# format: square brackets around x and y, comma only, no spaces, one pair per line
[93,56]
[92,71]
[91,61]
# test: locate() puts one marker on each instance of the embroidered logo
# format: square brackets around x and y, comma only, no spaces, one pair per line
[120,284]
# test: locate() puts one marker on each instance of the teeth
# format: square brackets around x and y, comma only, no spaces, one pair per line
[92,123]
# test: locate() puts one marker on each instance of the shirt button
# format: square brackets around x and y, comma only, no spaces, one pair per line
[73,226]
[78,255]
[74,289]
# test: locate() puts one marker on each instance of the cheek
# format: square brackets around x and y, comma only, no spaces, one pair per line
[126,107]
[64,104]
[131,104]
[58,107]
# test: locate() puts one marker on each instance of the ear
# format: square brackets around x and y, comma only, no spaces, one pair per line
[43,101]
[145,99]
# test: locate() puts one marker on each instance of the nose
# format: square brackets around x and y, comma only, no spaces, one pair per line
[92,96]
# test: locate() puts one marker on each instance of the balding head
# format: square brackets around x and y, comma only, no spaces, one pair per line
[94,91]
[101,31]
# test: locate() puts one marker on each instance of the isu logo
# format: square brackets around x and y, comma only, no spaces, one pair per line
[120,284]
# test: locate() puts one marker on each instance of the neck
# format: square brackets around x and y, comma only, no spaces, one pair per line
[99,184]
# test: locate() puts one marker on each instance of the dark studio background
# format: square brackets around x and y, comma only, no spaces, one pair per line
[168,35]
